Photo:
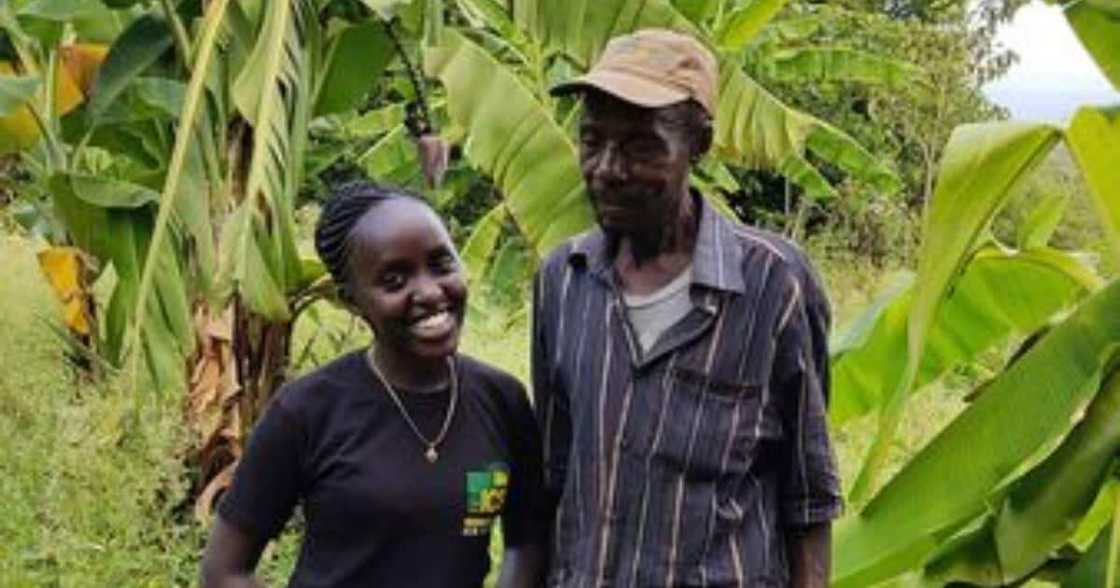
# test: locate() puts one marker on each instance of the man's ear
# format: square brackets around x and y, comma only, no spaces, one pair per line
[702,141]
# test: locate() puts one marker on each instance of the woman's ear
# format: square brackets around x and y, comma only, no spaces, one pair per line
[346,299]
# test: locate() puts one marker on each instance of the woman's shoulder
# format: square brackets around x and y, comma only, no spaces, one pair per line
[325,386]
[488,374]
[493,384]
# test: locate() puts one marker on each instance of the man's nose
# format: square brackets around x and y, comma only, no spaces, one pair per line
[610,165]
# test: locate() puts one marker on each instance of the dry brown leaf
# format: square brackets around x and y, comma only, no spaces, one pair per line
[208,500]
[434,155]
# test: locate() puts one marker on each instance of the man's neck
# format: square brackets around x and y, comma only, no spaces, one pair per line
[644,266]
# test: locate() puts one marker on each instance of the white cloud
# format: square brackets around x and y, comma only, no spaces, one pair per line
[1054,74]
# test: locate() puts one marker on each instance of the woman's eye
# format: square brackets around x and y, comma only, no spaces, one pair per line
[392,281]
[447,263]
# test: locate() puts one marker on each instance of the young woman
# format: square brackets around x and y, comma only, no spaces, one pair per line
[402,455]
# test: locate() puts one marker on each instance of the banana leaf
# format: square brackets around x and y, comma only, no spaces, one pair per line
[479,247]
[260,258]
[838,64]
[1030,407]
[512,138]
[744,23]
[1043,219]
[1097,24]
[16,91]
[355,59]
[394,159]
[207,42]
[581,28]
[980,167]
[1099,515]
[697,11]
[121,236]
[137,48]
[1042,509]
[1091,570]
[753,128]
[1094,139]
[999,294]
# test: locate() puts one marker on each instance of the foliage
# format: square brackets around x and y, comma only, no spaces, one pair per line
[906,116]
[525,49]
[89,493]
[1009,481]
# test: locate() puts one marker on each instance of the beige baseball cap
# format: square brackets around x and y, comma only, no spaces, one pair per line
[652,68]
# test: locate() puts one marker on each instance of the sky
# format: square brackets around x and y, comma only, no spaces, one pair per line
[1054,74]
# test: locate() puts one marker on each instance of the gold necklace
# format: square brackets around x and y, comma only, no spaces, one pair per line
[431,454]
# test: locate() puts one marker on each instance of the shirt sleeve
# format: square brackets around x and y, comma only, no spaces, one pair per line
[266,483]
[526,516]
[811,491]
[550,402]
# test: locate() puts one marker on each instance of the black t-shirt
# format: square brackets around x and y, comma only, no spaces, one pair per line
[377,512]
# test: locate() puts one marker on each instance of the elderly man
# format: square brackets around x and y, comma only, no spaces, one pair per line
[679,359]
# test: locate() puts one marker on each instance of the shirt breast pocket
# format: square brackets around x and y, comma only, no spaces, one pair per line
[707,423]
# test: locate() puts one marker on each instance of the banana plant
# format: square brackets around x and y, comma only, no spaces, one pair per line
[49,74]
[179,169]
[1006,485]
[515,133]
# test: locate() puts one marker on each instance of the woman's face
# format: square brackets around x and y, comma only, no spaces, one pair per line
[406,279]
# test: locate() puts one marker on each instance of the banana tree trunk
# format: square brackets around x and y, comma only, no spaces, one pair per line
[240,364]
[261,349]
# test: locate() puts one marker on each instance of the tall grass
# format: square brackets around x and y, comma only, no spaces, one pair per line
[88,495]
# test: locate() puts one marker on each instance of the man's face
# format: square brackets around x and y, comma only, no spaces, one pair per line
[635,162]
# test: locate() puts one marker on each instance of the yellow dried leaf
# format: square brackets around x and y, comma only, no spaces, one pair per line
[63,267]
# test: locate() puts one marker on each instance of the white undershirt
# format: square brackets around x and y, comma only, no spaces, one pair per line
[652,314]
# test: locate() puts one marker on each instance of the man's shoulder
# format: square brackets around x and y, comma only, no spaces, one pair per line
[785,261]
[573,245]
[761,246]
[581,246]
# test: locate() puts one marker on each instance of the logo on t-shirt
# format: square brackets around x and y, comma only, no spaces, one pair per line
[486,495]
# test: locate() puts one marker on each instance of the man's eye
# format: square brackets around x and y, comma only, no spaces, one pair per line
[643,147]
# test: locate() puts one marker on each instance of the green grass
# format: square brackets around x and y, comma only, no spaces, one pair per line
[92,497]
[89,493]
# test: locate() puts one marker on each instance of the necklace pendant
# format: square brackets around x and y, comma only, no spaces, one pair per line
[431,455]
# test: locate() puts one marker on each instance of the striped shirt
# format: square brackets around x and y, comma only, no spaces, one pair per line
[687,465]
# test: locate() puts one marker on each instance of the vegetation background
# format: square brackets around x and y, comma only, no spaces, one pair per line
[102,471]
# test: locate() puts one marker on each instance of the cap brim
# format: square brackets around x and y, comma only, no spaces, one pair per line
[631,88]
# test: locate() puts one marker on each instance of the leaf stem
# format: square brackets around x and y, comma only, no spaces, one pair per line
[179,33]
[215,14]
[1114,545]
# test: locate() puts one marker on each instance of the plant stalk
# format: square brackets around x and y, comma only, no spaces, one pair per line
[215,14]
[178,32]
[1114,546]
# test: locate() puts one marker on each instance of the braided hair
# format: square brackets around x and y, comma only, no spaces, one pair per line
[349,203]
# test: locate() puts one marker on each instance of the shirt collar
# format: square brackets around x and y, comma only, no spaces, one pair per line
[716,259]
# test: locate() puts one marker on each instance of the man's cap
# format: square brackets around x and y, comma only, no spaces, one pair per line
[652,68]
